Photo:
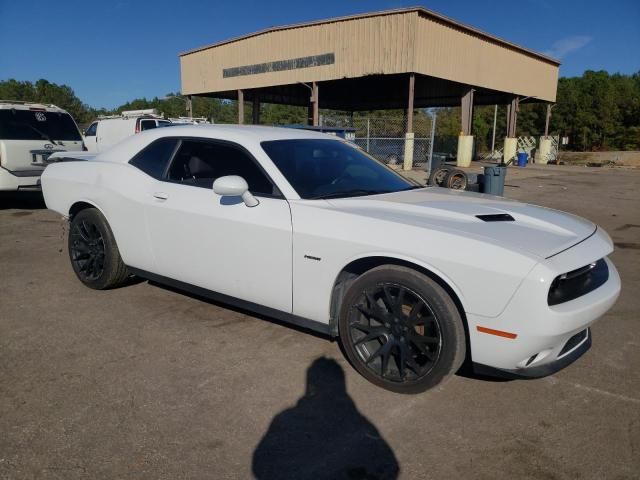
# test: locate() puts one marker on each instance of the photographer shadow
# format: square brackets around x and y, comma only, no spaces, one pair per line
[324,436]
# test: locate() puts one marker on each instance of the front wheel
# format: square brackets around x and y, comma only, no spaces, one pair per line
[401,330]
[93,251]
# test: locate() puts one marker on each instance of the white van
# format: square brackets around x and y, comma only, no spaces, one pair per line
[107,131]
[29,134]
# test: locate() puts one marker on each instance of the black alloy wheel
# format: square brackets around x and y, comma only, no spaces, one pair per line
[93,251]
[401,330]
[395,333]
[87,250]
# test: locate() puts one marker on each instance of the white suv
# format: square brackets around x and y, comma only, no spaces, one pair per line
[29,134]
[109,130]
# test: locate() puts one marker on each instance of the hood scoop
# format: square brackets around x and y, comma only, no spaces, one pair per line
[496,217]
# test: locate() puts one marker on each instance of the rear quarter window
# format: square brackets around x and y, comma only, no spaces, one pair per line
[147,124]
[154,158]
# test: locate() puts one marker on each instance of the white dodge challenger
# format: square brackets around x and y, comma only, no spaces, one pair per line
[308,228]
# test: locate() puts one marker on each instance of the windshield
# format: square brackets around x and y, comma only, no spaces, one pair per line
[37,125]
[332,169]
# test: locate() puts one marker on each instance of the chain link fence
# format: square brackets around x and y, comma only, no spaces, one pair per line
[528,144]
[383,137]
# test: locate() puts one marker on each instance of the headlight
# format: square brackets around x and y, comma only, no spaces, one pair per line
[576,283]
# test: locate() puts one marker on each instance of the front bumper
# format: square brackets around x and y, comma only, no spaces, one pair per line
[539,371]
[539,333]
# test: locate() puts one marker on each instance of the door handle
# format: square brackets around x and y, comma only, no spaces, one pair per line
[160,195]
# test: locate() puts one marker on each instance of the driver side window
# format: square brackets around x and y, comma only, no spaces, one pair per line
[91,131]
[199,163]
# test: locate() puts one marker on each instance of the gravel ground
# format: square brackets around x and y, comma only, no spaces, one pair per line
[146,382]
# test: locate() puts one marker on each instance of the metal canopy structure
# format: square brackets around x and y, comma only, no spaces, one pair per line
[364,93]
[405,58]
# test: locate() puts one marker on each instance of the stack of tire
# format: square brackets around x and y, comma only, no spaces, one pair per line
[448,176]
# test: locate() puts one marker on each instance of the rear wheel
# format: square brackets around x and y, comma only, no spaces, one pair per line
[401,330]
[93,251]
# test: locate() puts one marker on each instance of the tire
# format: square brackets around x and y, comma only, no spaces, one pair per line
[93,251]
[456,180]
[404,342]
[438,176]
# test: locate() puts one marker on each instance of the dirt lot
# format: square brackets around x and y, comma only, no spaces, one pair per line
[145,382]
[593,159]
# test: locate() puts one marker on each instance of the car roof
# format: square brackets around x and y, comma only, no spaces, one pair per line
[241,134]
[20,105]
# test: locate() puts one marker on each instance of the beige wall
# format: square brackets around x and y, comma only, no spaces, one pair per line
[371,45]
[445,52]
[383,44]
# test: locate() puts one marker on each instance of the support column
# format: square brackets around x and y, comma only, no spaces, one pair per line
[189,105]
[466,104]
[255,112]
[313,116]
[512,117]
[465,140]
[546,122]
[409,135]
[511,141]
[240,107]
[543,152]
[315,104]
[493,138]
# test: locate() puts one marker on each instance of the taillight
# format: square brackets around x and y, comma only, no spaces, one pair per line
[138,126]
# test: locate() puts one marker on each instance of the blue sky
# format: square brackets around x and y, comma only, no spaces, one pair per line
[115,50]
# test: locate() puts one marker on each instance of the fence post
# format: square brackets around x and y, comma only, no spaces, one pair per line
[434,116]
[368,132]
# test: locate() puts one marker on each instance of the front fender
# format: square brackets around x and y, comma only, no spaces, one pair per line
[483,276]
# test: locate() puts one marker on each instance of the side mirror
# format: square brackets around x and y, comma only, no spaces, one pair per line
[235,186]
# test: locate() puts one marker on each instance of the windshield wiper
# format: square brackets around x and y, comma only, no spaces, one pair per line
[45,136]
[348,193]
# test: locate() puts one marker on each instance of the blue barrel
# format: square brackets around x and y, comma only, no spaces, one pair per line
[522,159]
[493,181]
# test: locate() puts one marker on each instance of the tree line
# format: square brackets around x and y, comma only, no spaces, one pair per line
[596,111]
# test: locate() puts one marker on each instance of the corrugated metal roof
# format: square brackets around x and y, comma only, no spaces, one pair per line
[421,10]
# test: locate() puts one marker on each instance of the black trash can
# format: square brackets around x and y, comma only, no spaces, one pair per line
[493,182]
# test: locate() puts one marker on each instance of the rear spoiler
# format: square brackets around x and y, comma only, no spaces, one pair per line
[70,157]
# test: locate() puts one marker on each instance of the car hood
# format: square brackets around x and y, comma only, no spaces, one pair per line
[540,231]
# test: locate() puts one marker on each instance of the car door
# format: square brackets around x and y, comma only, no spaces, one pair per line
[219,243]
